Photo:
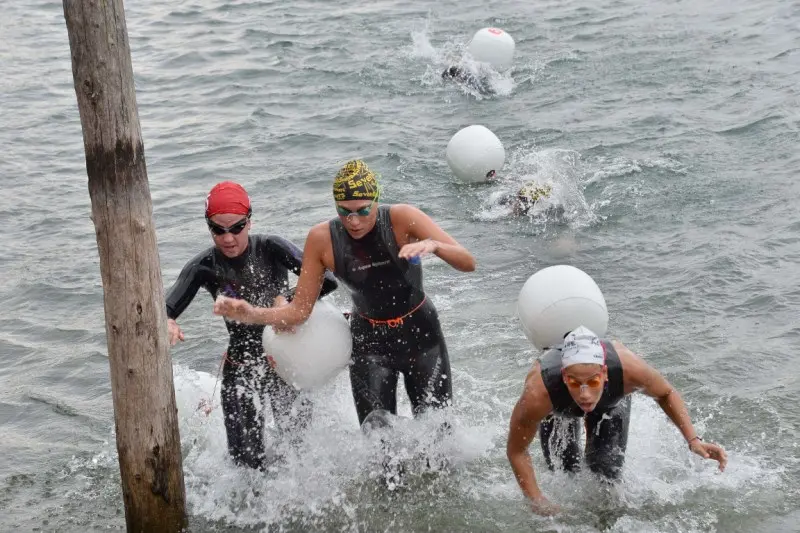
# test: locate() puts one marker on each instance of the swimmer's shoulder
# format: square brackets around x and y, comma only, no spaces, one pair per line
[535,400]
[319,243]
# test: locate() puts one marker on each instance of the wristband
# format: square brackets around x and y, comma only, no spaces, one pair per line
[696,437]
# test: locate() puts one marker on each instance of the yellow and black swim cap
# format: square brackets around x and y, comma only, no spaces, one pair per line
[355,181]
[532,192]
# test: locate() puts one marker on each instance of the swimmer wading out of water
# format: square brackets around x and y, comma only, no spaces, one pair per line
[589,379]
[373,250]
[254,269]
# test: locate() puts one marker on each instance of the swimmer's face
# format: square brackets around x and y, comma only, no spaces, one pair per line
[358,216]
[585,383]
[233,242]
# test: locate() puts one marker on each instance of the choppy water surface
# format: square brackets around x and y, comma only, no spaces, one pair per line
[669,131]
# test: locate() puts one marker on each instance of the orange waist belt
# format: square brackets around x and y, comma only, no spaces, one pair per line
[392,322]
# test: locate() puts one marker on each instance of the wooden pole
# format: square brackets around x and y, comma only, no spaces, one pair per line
[146,417]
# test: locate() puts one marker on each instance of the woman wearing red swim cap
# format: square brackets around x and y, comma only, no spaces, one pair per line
[253,269]
[374,250]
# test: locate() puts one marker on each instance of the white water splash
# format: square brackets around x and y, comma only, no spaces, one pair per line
[559,169]
[486,81]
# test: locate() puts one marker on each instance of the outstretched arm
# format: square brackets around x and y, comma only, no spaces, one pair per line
[308,287]
[528,412]
[427,237]
[638,375]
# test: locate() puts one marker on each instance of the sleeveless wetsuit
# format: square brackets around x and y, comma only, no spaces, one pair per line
[258,276]
[395,327]
[606,425]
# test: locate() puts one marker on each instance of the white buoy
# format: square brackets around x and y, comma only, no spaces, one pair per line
[493,46]
[475,154]
[316,352]
[558,299]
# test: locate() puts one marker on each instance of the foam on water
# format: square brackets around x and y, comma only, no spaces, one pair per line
[312,482]
[334,479]
[559,169]
[669,130]
[488,81]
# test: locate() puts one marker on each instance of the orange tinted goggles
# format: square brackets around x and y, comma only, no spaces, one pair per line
[594,382]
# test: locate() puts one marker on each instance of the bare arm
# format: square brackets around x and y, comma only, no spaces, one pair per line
[307,291]
[532,407]
[425,236]
[638,375]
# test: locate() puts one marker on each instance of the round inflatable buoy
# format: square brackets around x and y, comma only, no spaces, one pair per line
[493,46]
[316,352]
[475,154]
[557,300]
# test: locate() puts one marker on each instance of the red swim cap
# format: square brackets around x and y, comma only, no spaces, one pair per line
[228,198]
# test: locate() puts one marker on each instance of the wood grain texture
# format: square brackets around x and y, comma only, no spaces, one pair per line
[146,419]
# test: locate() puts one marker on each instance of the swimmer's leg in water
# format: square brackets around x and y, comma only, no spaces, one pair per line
[427,380]
[244,423]
[559,437]
[429,386]
[607,439]
[393,468]
[374,386]
[291,411]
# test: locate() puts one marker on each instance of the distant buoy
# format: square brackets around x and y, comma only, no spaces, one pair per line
[475,154]
[493,46]
[316,352]
[558,299]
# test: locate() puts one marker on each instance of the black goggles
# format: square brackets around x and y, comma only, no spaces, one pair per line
[236,228]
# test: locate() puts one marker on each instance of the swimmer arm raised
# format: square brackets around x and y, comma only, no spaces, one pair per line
[425,236]
[528,412]
[296,312]
[639,375]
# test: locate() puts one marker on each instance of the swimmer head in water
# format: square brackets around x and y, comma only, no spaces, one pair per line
[522,202]
[470,79]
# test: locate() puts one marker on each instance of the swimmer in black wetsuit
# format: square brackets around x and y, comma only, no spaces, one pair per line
[455,73]
[592,379]
[465,76]
[255,269]
[374,250]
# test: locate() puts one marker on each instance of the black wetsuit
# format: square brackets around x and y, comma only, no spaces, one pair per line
[466,77]
[606,425]
[387,288]
[258,276]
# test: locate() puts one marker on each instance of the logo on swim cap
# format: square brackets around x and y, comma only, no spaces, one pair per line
[582,346]
[355,181]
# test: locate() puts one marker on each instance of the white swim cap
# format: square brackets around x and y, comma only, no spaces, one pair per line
[582,346]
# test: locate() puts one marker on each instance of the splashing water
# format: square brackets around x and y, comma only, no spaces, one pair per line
[482,80]
[336,480]
[558,169]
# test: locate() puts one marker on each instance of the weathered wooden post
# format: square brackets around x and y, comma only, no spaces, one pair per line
[141,371]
